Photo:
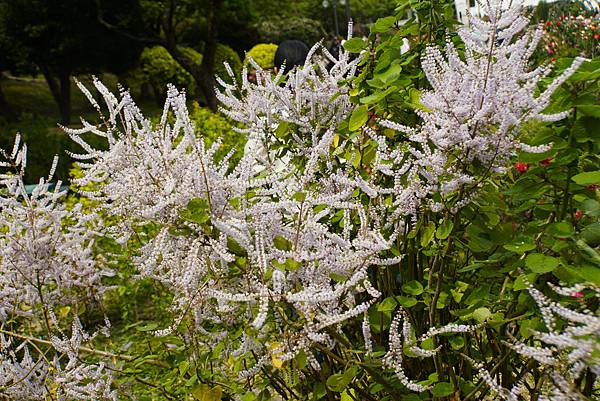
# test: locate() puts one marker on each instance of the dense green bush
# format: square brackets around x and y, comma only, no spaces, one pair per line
[158,68]
[225,54]
[263,54]
[307,30]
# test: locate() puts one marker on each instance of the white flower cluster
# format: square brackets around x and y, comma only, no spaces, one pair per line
[312,99]
[564,352]
[472,114]
[238,246]
[46,262]
[569,346]
[402,343]
[46,255]
[24,378]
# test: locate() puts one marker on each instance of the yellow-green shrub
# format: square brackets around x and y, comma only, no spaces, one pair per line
[263,54]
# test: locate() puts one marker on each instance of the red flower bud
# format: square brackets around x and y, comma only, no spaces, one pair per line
[547,160]
[592,187]
[521,167]
[578,214]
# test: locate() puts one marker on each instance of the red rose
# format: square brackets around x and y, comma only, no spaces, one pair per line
[596,36]
[521,167]
[578,214]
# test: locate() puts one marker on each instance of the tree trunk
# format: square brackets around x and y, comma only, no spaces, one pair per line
[145,90]
[60,87]
[65,98]
[203,73]
[208,61]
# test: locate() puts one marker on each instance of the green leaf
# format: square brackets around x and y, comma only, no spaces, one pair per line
[478,239]
[442,301]
[190,382]
[301,359]
[587,178]
[561,229]
[281,243]
[203,392]
[520,246]
[481,314]
[590,273]
[539,263]
[319,391]
[348,395]
[590,110]
[588,252]
[428,345]
[427,235]
[148,327]
[591,207]
[387,305]
[235,248]
[522,282]
[291,264]
[183,368]
[338,382]
[591,234]
[478,294]
[249,396]
[383,24]
[444,229]
[282,130]
[299,196]
[355,45]
[377,96]
[390,75]
[196,211]
[458,292]
[442,389]
[376,83]
[457,342]
[413,288]
[406,302]
[358,118]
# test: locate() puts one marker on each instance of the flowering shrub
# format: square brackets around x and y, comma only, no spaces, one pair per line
[572,35]
[372,243]
[46,264]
